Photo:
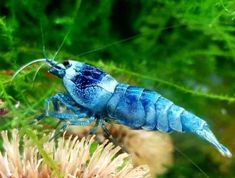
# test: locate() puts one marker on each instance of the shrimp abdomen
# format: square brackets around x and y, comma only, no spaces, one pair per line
[140,108]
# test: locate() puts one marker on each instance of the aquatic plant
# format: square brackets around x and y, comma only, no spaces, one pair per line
[154,149]
[70,158]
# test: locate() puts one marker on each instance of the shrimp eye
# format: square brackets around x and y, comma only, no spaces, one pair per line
[66,63]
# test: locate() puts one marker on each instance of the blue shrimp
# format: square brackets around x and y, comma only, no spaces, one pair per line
[96,96]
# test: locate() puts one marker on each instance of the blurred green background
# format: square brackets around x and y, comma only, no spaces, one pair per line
[183,49]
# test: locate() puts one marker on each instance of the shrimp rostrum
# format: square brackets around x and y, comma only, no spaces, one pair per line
[95,96]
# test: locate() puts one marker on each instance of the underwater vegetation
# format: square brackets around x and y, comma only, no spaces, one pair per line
[136,142]
[76,158]
[182,49]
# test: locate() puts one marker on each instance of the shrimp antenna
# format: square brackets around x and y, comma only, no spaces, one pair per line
[49,62]
[43,51]
[70,29]
[28,64]
[192,162]
[121,41]
[106,46]
[37,71]
[61,45]
[43,41]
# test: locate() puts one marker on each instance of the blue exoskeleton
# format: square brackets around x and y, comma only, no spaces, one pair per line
[96,96]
